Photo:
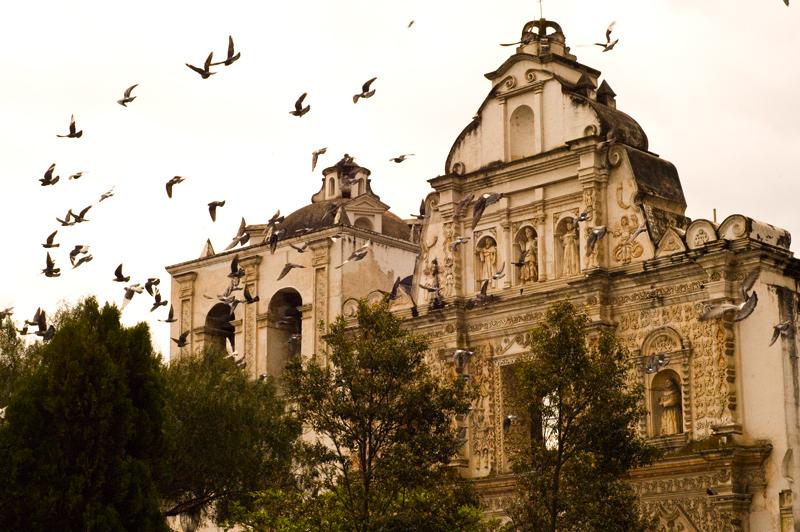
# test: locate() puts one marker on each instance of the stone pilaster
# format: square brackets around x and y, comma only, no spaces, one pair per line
[539,222]
[249,326]
[321,263]
[186,308]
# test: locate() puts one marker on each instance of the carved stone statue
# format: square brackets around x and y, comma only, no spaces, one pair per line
[670,403]
[530,269]
[487,254]
[571,264]
[626,249]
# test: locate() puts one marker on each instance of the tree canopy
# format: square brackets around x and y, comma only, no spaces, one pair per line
[82,430]
[226,436]
[582,423]
[384,429]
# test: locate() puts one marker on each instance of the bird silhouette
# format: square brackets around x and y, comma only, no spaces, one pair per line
[315,156]
[49,243]
[299,110]
[595,235]
[779,330]
[172,182]
[287,268]
[231,58]
[358,254]
[400,158]
[106,195]
[170,317]
[609,44]
[127,98]
[181,340]
[73,134]
[50,270]
[118,277]
[48,178]
[212,209]
[483,201]
[204,72]
[365,91]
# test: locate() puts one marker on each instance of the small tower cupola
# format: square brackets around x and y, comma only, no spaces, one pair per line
[344,180]
[536,40]
[605,95]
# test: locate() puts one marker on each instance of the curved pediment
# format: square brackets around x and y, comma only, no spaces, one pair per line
[699,233]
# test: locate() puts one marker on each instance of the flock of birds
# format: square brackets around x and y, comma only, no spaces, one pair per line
[79,254]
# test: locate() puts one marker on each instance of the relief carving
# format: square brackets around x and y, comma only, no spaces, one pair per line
[626,249]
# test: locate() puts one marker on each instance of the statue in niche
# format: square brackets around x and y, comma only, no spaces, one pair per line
[569,240]
[670,403]
[487,254]
[528,245]
[449,276]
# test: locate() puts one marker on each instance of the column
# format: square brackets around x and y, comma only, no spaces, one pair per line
[539,222]
[249,326]
[185,309]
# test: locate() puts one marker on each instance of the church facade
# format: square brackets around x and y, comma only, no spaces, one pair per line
[723,402]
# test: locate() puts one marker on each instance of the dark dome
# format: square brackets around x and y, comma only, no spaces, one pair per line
[320,215]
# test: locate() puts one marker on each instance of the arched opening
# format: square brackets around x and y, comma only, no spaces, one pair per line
[331,188]
[567,256]
[284,335]
[666,403]
[363,223]
[486,261]
[521,132]
[526,245]
[218,327]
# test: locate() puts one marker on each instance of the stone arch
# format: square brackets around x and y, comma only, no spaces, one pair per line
[526,240]
[487,260]
[521,132]
[663,340]
[666,404]
[218,327]
[363,222]
[284,334]
[566,248]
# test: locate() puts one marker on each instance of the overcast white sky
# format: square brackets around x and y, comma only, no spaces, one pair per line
[714,83]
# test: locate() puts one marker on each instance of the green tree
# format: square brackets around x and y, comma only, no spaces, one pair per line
[16,360]
[83,429]
[583,438]
[385,430]
[227,436]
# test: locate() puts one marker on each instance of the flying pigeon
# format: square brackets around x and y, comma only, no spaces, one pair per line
[609,45]
[237,271]
[212,209]
[172,182]
[131,291]
[181,340]
[779,330]
[66,222]
[106,195]
[358,254]
[401,158]
[595,235]
[49,243]
[463,203]
[287,268]
[457,241]
[81,215]
[365,91]
[204,72]
[72,133]
[315,156]
[80,249]
[76,175]
[248,297]
[231,57]
[242,237]
[85,258]
[118,277]
[299,110]
[151,284]
[158,301]
[170,317]
[483,201]
[48,178]
[127,98]
[50,269]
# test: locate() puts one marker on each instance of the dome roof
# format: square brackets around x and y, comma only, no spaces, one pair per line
[321,215]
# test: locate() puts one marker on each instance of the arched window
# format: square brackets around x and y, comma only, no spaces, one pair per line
[218,327]
[331,188]
[284,336]
[364,223]
[521,132]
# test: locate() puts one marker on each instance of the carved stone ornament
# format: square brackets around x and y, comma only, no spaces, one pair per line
[530,75]
[510,82]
